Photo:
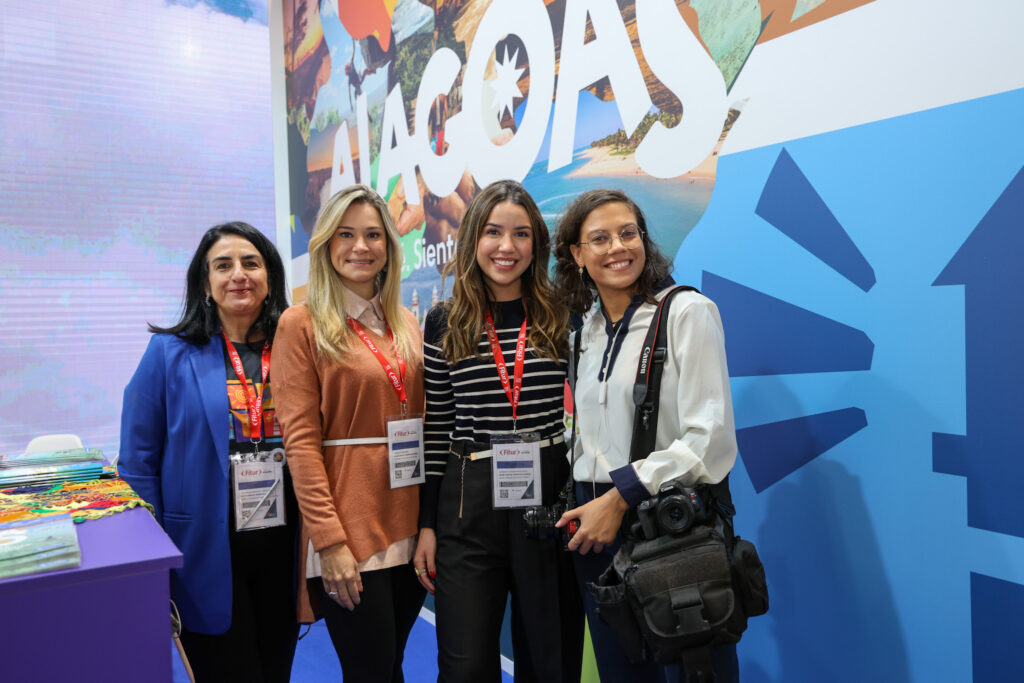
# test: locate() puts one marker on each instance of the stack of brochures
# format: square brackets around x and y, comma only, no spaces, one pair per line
[50,467]
[38,545]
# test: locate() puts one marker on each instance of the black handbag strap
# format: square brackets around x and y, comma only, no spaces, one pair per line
[646,393]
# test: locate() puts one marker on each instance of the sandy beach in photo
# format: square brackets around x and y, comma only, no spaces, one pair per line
[601,162]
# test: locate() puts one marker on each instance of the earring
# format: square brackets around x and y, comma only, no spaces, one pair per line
[580,269]
[207,301]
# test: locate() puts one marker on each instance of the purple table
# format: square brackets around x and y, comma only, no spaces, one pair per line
[108,620]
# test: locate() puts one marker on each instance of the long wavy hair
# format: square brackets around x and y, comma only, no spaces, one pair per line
[326,299]
[199,322]
[578,290]
[549,319]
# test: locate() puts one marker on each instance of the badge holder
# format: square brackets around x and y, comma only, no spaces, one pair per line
[258,490]
[515,470]
[406,466]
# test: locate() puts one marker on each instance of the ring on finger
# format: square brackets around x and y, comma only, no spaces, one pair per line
[420,572]
[332,592]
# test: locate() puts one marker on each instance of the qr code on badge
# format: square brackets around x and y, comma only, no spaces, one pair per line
[502,494]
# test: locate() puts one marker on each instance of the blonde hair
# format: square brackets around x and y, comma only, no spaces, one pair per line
[549,319]
[326,298]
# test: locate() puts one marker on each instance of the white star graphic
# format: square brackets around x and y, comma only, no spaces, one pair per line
[505,86]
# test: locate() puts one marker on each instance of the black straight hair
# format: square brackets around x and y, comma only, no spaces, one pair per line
[199,322]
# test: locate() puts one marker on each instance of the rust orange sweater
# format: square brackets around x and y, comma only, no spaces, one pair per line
[344,492]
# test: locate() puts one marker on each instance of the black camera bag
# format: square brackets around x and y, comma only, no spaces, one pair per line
[673,597]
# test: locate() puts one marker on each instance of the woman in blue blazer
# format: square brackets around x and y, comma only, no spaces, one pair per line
[198,436]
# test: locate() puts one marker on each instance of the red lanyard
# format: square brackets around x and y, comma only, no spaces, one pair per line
[397,378]
[253,401]
[514,390]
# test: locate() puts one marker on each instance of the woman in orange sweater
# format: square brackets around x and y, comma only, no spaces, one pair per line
[348,367]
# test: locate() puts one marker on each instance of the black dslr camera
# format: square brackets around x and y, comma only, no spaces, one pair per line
[673,510]
[539,520]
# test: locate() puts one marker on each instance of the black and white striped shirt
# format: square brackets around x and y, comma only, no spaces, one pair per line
[466,401]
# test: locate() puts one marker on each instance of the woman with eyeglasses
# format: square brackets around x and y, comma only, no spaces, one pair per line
[609,270]
[494,360]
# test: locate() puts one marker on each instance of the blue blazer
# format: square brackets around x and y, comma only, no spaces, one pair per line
[174,453]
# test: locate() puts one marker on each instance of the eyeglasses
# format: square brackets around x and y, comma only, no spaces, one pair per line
[600,243]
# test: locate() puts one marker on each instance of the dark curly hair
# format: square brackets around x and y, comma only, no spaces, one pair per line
[577,290]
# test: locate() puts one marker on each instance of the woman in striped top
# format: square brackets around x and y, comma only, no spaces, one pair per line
[472,550]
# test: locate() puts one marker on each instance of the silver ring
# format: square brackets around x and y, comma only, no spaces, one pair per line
[332,592]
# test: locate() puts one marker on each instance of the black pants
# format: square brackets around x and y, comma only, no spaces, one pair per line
[370,640]
[260,644]
[612,663]
[483,557]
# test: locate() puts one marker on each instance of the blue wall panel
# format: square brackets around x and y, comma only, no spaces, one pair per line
[869,543]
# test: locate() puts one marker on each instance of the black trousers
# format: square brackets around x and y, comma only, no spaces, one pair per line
[260,644]
[370,640]
[612,663]
[483,556]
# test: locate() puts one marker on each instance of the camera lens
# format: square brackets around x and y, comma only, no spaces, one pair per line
[675,514]
[538,522]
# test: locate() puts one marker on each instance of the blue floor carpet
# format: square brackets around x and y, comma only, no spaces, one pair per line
[315,660]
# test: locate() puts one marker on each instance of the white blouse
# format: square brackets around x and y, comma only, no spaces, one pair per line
[696,437]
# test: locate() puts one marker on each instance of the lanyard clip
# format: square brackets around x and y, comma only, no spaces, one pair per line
[405,408]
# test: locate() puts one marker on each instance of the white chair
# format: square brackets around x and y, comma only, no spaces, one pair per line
[53,442]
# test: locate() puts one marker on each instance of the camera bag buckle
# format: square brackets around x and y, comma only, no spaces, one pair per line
[688,606]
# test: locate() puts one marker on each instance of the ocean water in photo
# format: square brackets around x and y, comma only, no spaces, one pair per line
[672,207]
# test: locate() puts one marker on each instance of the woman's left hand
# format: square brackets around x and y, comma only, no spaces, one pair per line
[423,561]
[340,574]
[599,522]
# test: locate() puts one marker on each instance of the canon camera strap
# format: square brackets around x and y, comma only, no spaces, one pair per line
[648,380]
[647,391]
